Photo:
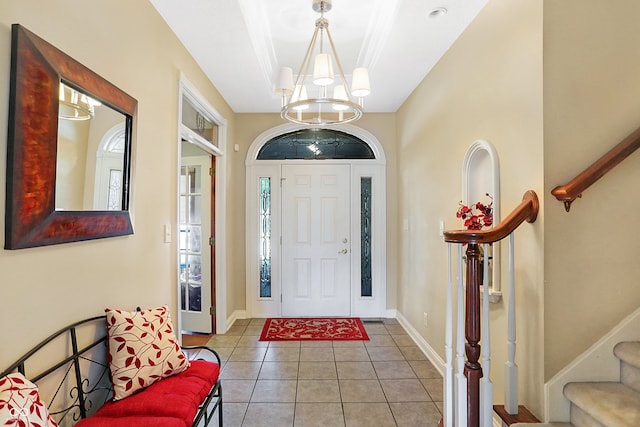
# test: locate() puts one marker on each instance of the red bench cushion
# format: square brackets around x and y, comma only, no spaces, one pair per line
[175,397]
[131,422]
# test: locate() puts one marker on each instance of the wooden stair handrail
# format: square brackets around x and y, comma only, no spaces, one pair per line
[527,210]
[573,189]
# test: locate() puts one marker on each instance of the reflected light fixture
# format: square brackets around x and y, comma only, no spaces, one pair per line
[321,98]
[74,105]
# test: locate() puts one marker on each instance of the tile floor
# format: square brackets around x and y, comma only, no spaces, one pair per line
[386,381]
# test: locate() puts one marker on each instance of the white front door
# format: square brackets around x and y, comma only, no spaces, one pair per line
[316,239]
[195,250]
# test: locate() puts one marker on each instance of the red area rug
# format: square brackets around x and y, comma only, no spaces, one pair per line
[313,329]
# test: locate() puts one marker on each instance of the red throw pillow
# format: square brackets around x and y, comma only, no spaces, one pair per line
[20,403]
[143,349]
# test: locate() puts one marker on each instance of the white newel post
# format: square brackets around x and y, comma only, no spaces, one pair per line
[448,349]
[511,369]
[486,386]
[461,380]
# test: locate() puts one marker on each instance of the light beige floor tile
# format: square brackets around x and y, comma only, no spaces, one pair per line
[403,340]
[274,391]
[413,353]
[344,343]
[319,415]
[380,341]
[236,330]
[356,371]
[280,344]
[305,344]
[361,391]
[396,369]
[243,322]
[282,354]
[248,354]
[279,371]
[223,341]
[390,321]
[416,414]
[251,341]
[424,369]
[375,329]
[317,371]
[316,354]
[269,414]
[368,415]
[434,388]
[351,354]
[384,353]
[257,322]
[237,390]
[318,391]
[224,353]
[394,329]
[232,414]
[240,371]
[254,331]
[410,390]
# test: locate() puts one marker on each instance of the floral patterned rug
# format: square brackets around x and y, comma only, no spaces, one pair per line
[313,329]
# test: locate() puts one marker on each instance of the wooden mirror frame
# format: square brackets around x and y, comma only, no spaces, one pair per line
[37,68]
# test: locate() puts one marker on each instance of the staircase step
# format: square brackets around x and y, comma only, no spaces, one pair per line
[629,355]
[542,425]
[607,403]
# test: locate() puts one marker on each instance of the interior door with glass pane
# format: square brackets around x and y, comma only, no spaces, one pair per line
[195,250]
[316,255]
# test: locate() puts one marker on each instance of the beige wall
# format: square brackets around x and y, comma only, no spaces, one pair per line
[249,127]
[129,44]
[487,86]
[591,102]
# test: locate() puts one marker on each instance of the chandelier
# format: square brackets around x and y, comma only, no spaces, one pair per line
[74,105]
[321,98]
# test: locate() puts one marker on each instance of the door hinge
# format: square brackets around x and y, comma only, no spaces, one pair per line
[212,311]
[212,172]
[281,298]
[212,241]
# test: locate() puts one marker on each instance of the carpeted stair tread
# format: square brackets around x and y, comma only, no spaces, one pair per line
[609,403]
[542,425]
[628,352]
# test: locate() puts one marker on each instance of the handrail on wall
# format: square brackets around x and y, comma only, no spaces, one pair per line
[527,210]
[573,189]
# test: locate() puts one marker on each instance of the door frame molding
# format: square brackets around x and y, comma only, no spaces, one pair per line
[374,306]
[185,87]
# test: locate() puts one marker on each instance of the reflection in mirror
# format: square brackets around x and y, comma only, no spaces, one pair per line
[90,154]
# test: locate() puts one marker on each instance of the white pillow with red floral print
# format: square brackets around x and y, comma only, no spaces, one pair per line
[143,349]
[20,403]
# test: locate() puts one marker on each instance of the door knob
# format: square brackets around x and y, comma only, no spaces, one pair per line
[344,251]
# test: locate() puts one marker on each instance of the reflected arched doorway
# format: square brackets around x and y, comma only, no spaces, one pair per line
[316,223]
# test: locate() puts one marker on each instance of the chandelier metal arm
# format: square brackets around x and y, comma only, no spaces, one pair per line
[335,55]
[306,60]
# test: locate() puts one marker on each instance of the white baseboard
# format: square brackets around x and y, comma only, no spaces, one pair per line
[237,314]
[391,313]
[598,363]
[428,351]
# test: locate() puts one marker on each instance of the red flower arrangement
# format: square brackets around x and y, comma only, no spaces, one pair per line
[477,216]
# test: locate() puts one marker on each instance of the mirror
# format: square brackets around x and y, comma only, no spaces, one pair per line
[90,154]
[68,150]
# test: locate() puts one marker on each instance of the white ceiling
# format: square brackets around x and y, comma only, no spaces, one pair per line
[241,44]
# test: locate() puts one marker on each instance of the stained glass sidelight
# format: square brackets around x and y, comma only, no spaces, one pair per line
[265,237]
[365,237]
